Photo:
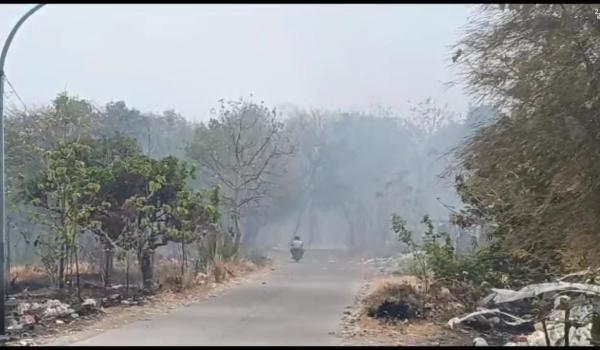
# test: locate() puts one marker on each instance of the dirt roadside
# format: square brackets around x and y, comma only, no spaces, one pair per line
[361,330]
[118,316]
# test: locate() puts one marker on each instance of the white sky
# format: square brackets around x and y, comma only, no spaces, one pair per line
[186,57]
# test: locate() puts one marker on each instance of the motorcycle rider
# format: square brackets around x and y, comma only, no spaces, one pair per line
[297,245]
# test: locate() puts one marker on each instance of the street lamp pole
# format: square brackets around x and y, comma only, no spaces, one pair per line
[3,273]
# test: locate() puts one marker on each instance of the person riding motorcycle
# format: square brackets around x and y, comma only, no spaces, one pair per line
[297,247]
[297,243]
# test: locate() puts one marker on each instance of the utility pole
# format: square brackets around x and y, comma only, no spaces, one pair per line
[3,272]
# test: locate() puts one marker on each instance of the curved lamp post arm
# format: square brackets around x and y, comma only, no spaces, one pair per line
[3,272]
[11,36]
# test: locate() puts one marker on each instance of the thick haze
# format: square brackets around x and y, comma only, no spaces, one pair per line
[186,57]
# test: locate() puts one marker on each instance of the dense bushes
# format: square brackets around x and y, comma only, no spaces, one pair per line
[437,260]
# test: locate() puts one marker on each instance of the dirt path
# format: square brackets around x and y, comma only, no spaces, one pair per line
[297,304]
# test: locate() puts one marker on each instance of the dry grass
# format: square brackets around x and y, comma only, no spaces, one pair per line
[412,281]
[32,272]
[168,273]
[427,330]
[240,266]
[396,300]
[437,304]
[387,286]
[26,272]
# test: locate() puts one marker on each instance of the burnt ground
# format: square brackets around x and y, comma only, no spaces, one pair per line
[399,320]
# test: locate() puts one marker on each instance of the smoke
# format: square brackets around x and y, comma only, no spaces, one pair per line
[352,171]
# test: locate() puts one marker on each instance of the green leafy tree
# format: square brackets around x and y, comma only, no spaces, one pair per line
[195,216]
[66,192]
[144,193]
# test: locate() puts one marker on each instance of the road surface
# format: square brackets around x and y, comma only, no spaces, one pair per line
[297,304]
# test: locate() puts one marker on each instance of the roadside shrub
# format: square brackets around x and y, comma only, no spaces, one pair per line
[485,267]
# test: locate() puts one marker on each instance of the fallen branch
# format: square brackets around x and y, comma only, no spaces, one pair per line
[517,321]
[582,273]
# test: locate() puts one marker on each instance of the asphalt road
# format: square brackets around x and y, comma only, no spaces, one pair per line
[297,304]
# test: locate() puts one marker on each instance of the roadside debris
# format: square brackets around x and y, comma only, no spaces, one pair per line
[502,317]
[492,319]
[505,312]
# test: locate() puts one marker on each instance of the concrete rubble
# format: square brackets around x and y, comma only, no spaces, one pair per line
[55,308]
[513,312]
[27,317]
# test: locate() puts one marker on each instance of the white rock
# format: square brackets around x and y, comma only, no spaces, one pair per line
[89,302]
[536,338]
[14,325]
[494,320]
[453,322]
[23,307]
[480,342]
[54,310]
[53,303]
[581,336]
[577,337]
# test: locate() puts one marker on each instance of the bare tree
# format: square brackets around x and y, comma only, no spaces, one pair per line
[240,149]
[310,138]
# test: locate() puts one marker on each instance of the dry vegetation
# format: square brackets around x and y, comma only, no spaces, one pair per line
[113,305]
[392,310]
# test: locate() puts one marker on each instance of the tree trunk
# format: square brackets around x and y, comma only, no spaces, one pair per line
[77,273]
[7,274]
[61,268]
[238,233]
[215,247]
[182,258]
[147,269]
[567,326]
[108,265]
[127,274]
[545,329]
[595,332]
[69,270]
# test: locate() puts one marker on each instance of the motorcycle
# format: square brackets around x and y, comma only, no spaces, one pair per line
[297,253]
